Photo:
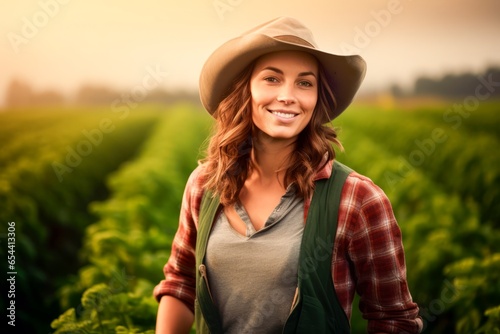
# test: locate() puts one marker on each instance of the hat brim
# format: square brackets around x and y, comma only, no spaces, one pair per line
[345,73]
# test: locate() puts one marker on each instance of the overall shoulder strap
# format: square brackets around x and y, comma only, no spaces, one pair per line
[206,315]
[208,208]
[318,309]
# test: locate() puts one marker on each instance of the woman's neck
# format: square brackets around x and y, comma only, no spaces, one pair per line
[268,157]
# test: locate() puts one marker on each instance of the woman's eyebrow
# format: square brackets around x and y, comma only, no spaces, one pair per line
[303,74]
[277,70]
[274,69]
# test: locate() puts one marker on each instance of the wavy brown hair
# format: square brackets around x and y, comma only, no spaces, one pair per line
[228,162]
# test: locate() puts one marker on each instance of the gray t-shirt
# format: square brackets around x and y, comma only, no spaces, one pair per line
[253,278]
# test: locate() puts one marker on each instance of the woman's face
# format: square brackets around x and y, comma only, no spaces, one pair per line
[284,88]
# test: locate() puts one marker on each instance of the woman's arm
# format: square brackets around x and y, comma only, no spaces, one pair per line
[173,317]
[176,293]
[377,253]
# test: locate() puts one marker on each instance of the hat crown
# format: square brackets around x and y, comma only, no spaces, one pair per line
[286,29]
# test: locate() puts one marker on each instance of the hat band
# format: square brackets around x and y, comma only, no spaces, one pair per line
[294,40]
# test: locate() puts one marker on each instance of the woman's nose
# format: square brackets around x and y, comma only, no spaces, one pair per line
[286,94]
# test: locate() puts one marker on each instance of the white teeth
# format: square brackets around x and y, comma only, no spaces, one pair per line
[282,114]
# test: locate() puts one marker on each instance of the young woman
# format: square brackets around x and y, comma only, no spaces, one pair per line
[262,246]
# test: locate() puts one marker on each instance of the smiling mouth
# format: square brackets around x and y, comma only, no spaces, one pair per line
[283,114]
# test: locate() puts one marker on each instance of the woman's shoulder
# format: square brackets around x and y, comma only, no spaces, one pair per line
[355,182]
[196,181]
[198,172]
[193,193]
[362,188]
[365,204]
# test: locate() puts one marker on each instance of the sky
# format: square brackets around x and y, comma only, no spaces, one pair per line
[64,44]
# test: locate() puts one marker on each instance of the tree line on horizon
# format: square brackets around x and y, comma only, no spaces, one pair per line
[20,94]
[448,86]
[453,86]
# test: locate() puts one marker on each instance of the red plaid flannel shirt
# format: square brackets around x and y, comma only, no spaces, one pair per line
[368,255]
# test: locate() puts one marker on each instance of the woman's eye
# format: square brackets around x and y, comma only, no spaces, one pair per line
[305,84]
[271,79]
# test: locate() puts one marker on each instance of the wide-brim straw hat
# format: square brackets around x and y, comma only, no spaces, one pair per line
[344,72]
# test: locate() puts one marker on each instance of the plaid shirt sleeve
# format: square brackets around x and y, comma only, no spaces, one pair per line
[369,259]
[180,272]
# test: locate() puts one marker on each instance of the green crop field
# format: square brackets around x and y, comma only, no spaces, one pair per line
[93,200]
